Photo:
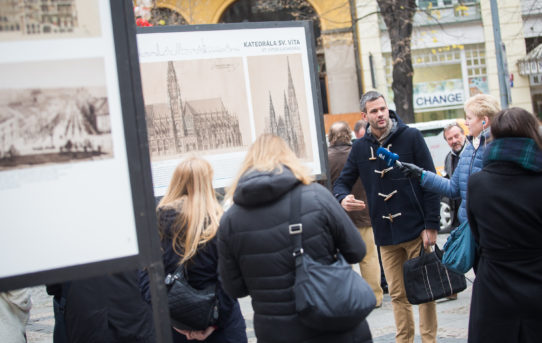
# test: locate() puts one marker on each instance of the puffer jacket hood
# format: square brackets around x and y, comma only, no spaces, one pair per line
[256,188]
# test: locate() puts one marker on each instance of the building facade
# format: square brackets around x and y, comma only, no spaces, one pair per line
[453,53]
[31,17]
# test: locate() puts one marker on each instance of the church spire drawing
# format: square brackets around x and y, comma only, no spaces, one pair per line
[294,112]
[272,124]
[288,126]
[175,104]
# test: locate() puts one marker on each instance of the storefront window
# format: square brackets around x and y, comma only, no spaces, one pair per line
[440,87]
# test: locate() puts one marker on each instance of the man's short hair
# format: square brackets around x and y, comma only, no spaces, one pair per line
[449,126]
[367,97]
[339,132]
[359,124]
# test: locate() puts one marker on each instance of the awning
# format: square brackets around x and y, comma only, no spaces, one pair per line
[532,63]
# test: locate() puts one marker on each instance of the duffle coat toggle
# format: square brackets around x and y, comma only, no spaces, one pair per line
[383,172]
[391,216]
[387,196]
[372,158]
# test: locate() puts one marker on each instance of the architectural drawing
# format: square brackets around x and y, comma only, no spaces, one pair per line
[288,126]
[47,18]
[183,125]
[39,126]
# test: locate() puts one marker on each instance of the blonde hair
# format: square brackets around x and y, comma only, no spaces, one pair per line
[199,217]
[483,105]
[268,153]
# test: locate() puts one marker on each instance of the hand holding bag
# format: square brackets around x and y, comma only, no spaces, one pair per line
[427,279]
[327,297]
[460,249]
[190,308]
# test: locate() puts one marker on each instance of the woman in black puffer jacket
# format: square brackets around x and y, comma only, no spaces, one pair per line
[188,216]
[255,251]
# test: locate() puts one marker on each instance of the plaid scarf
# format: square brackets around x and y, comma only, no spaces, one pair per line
[522,151]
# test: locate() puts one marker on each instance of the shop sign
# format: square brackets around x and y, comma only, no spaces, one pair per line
[438,93]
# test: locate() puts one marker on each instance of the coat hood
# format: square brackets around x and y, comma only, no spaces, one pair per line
[256,188]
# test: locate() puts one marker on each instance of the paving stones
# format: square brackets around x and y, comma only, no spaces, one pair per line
[453,317]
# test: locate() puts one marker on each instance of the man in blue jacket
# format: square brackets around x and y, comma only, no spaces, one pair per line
[403,215]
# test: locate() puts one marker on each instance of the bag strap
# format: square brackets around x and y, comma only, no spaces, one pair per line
[295,228]
[438,252]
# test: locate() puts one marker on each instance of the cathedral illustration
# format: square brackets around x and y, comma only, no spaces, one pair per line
[181,126]
[287,126]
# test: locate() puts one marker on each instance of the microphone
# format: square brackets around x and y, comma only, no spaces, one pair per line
[389,157]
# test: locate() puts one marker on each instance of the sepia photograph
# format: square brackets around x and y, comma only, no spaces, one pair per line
[23,20]
[65,119]
[195,106]
[279,101]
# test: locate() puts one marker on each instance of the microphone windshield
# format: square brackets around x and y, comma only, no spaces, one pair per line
[389,157]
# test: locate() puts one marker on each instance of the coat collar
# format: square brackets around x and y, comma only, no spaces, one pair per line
[519,150]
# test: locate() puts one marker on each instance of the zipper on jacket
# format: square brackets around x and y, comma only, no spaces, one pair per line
[475,152]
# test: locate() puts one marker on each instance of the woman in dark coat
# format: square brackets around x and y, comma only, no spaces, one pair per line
[188,217]
[255,247]
[505,215]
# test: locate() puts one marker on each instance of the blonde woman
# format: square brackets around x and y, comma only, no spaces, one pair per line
[479,113]
[255,248]
[188,218]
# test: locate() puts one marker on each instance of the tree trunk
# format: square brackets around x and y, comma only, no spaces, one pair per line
[398,16]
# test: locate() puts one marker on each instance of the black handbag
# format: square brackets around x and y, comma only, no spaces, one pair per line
[190,308]
[327,297]
[427,279]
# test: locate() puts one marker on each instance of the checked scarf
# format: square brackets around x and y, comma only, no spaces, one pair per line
[520,150]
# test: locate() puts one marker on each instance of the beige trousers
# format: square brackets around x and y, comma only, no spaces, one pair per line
[369,266]
[393,257]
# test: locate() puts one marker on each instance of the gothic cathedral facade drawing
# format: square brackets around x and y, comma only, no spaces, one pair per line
[180,126]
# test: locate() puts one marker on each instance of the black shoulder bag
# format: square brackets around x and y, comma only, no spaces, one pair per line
[190,308]
[327,297]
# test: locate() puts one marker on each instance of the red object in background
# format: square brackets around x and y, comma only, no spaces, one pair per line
[142,22]
[512,80]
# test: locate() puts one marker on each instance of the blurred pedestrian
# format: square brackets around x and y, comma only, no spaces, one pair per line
[256,249]
[105,308]
[188,218]
[339,137]
[15,308]
[505,216]
[360,128]
[403,215]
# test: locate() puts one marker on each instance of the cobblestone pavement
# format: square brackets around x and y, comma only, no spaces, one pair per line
[453,317]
